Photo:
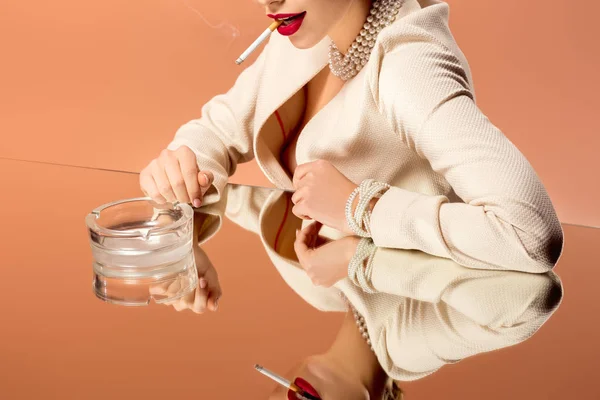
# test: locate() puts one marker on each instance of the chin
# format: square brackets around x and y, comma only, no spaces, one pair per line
[304,42]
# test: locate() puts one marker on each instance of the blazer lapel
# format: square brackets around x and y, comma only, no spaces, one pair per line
[287,70]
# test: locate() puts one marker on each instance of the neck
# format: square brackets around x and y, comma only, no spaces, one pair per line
[345,31]
[351,353]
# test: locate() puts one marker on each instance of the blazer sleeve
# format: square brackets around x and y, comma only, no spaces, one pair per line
[223,136]
[506,220]
[449,312]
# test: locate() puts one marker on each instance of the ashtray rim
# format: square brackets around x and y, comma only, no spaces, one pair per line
[92,217]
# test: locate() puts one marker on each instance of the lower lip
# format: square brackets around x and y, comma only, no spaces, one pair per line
[302,384]
[292,27]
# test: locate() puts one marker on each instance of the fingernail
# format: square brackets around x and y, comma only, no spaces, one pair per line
[197,203]
[206,180]
[297,231]
[202,283]
[216,304]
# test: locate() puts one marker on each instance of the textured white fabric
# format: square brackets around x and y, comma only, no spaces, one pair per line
[460,189]
[428,312]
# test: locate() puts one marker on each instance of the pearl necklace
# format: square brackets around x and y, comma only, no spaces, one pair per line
[360,322]
[382,14]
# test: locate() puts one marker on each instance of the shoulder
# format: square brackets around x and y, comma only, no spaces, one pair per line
[419,21]
[424,18]
[420,45]
[416,64]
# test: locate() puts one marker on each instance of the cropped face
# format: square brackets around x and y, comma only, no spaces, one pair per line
[318,377]
[306,22]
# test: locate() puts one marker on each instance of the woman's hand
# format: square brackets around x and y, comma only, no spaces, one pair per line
[205,296]
[321,192]
[324,262]
[174,175]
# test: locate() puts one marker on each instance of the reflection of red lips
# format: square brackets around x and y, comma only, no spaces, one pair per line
[302,384]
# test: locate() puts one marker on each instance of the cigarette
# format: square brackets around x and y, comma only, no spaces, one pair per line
[274,376]
[258,41]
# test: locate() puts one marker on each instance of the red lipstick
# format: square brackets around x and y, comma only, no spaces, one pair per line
[307,387]
[291,22]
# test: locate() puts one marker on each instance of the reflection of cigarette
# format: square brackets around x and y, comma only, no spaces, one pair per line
[284,382]
[258,41]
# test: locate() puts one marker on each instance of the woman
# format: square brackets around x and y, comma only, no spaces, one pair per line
[459,188]
[383,145]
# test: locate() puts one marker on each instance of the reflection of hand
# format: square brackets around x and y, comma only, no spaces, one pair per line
[321,192]
[325,262]
[207,292]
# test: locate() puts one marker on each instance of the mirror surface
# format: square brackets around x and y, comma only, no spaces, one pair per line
[59,341]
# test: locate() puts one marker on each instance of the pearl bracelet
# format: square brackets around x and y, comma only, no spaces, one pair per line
[358,274]
[367,191]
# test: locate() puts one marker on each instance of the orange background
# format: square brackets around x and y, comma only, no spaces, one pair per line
[107,83]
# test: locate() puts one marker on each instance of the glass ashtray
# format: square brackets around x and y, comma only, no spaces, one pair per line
[142,251]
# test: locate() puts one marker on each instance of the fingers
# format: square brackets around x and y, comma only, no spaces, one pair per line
[213,301]
[208,298]
[300,194]
[149,187]
[312,232]
[162,180]
[183,303]
[214,289]
[173,288]
[301,245]
[299,173]
[175,176]
[205,178]
[300,211]
[195,300]
[300,208]
[165,290]
[306,170]
[205,296]
[197,182]
[189,172]
[201,297]
[158,289]
[313,228]
[208,293]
